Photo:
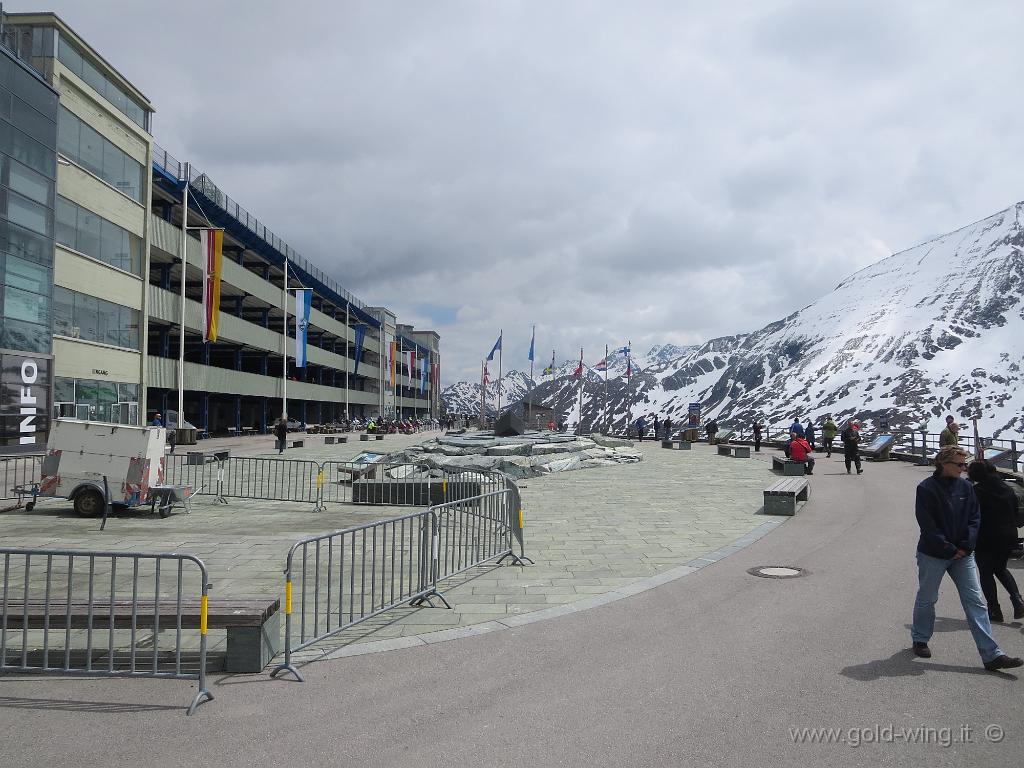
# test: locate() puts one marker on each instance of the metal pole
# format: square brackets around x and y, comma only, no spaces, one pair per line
[529,403]
[183,253]
[606,427]
[284,345]
[348,381]
[629,386]
[483,393]
[501,335]
[579,420]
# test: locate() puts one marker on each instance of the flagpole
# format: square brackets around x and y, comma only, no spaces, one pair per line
[629,386]
[284,344]
[579,423]
[529,403]
[501,334]
[606,389]
[183,251]
[348,382]
[483,392]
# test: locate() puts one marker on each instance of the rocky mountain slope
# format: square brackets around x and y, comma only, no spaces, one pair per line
[464,396]
[913,337]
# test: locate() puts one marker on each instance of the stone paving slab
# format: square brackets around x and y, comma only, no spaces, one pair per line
[595,535]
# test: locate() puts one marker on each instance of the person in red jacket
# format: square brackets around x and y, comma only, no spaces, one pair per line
[800,450]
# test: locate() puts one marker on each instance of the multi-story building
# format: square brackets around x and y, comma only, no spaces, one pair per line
[28,169]
[116,214]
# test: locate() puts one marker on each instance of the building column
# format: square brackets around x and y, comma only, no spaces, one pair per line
[263,416]
[302,410]
[238,359]
[204,411]
[265,318]
[165,276]
[206,354]
[238,305]
[238,413]
[164,341]
[264,362]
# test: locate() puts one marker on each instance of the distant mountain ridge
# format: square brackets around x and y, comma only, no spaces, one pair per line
[910,338]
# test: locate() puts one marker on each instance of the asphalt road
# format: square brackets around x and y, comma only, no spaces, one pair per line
[716,668]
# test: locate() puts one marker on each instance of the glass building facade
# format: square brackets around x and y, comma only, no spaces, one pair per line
[28,167]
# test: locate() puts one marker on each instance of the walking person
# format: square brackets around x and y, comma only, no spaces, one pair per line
[797,427]
[641,427]
[281,433]
[757,437]
[809,434]
[668,427]
[828,434]
[712,430]
[657,426]
[948,515]
[851,445]
[997,537]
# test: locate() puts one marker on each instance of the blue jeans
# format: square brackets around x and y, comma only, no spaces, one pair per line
[964,574]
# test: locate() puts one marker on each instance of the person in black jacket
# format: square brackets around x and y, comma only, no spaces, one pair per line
[712,430]
[851,445]
[281,433]
[997,536]
[757,436]
[947,513]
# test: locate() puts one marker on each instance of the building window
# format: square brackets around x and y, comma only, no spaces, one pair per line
[72,58]
[85,232]
[81,316]
[30,215]
[85,146]
[93,400]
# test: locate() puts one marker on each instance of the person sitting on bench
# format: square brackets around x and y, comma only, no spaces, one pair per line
[800,450]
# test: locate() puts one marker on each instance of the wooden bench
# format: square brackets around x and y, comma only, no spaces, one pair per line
[781,497]
[667,444]
[249,431]
[739,451]
[202,434]
[788,467]
[232,432]
[685,445]
[253,625]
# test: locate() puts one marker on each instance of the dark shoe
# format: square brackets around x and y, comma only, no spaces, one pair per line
[1018,606]
[1003,662]
[847,470]
[808,473]
[995,614]
[860,471]
[922,650]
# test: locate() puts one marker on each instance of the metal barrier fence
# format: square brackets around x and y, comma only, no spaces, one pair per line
[80,612]
[345,577]
[18,471]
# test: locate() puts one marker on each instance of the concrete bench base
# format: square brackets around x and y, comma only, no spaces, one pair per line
[328,440]
[251,649]
[685,445]
[739,451]
[364,438]
[379,437]
[787,467]
[781,498]
[298,443]
[667,444]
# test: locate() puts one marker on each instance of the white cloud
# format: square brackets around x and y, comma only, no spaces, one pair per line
[660,171]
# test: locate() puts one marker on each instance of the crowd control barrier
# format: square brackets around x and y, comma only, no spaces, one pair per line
[90,613]
[337,580]
[18,472]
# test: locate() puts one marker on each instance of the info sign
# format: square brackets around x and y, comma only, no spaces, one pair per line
[24,402]
[694,415]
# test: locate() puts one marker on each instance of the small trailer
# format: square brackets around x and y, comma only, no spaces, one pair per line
[85,460]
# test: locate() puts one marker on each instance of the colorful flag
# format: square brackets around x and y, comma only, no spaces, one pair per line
[532,339]
[211,243]
[424,367]
[392,360]
[579,368]
[495,348]
[487,375]
[623,351]
[303,302]
[602,365]
[629,367]
[550,370]
[360,336]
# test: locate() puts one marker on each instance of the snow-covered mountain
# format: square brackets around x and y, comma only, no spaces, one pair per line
[911,338]
[464,397]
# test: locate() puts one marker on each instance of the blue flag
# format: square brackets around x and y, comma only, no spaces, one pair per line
[532,339]
[495,348]
[360,336]
[303,302]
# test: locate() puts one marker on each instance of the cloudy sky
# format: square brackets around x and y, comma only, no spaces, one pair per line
[660,171]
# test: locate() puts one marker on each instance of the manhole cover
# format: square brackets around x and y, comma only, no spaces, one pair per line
[776,572]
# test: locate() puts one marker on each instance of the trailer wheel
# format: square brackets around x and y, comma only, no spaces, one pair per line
[30,506]
[89,503]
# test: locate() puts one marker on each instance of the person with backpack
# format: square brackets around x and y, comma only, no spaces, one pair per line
[809,433]
[997,536]
[641,427]
[796,427]
[948,515]
[828,434]
[757,437]
[851,445]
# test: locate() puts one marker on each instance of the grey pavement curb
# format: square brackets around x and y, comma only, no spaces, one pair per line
[511,622]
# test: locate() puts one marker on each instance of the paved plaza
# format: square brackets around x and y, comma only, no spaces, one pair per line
[594,535]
